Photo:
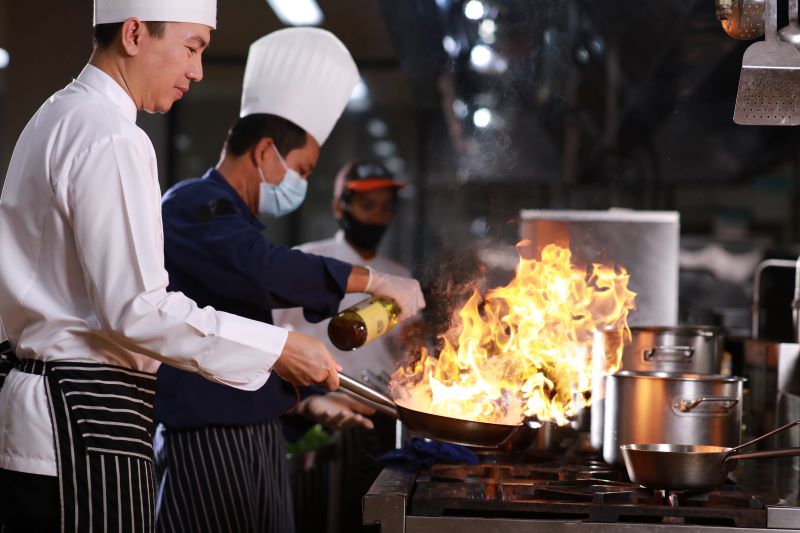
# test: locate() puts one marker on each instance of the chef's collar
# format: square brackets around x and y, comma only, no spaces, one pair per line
[102,82]
[216,176]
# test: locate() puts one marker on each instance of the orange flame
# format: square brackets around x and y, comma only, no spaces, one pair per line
[527,349]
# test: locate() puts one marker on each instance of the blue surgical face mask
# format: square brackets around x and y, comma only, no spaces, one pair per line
[282,199]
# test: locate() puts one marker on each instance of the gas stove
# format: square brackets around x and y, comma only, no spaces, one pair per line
[547,492]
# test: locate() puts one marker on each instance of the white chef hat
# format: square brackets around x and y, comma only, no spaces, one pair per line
[195,11]
[305,75]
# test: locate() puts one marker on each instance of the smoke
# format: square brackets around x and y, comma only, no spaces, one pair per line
[450,284]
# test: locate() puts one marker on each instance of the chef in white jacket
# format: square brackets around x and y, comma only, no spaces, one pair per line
[83,294]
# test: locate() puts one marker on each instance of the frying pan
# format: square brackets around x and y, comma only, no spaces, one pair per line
[455,430]
[691,467]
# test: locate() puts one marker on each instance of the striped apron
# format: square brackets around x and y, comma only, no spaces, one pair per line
[102,419]
[232,479]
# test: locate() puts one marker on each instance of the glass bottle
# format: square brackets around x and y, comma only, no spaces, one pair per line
[363,322]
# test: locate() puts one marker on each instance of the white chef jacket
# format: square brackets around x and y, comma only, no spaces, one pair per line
[82,267]
[375,356]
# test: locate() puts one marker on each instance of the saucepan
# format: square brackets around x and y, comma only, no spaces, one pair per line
[455,430]
[691,467]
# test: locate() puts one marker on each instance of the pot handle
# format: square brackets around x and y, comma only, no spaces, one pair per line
[686,406]
[766,454]
[679,354]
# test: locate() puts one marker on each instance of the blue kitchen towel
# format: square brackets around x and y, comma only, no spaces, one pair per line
[419,452]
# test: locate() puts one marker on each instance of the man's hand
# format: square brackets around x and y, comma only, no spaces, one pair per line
[306,361]
[405,291]
[336,411]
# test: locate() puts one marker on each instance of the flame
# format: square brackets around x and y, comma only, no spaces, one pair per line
[528,349]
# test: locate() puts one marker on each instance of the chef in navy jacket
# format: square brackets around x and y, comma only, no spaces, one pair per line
[220,464]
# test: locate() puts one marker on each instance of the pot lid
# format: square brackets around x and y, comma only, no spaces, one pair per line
[678,377]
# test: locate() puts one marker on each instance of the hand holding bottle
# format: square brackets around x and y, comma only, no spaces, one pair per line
[406,292]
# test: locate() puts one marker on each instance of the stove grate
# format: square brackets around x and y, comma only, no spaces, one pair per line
[589,491]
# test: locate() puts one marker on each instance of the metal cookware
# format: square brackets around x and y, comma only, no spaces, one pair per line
[742,19]
[536,435]
[673,349]
[455,430]
[654,407]
[691,467]
[678,349]
[791,32]
[770,79]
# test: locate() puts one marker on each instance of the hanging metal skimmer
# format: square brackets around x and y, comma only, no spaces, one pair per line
[769,85]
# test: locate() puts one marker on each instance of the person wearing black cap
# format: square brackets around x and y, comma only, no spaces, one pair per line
[364,203]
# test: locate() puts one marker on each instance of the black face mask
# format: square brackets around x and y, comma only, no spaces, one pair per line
[364,236]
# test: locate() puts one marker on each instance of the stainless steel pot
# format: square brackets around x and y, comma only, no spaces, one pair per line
[681,350]
[659,408]
[671,349]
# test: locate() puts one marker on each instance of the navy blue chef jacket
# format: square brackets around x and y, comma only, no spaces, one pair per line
[215,254]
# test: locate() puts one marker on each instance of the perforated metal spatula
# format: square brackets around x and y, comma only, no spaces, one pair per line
[769,85]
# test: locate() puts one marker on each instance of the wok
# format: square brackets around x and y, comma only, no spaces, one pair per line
[455,430]
[691,467]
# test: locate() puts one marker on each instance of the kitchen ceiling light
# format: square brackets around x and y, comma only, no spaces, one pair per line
[359,98]
[482,117]
[486,31]
[450,46]
[297,12]
[395,165]
[360,91]
[4,58]
[460,109]
[474,10]
[384,149]
[481,56]
[485,60]
[377,128]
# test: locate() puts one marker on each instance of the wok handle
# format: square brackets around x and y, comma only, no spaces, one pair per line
[684,406]
[784,452]
[365,392]
[678,354]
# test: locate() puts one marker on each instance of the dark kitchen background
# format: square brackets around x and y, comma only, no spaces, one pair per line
[487,107]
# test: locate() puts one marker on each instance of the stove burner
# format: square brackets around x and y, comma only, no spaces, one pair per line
[673,499]
[576,488]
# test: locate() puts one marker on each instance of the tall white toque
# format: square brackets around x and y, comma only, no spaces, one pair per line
[195,11]
[305,75]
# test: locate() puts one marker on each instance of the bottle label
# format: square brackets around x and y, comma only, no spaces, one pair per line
[375,317]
